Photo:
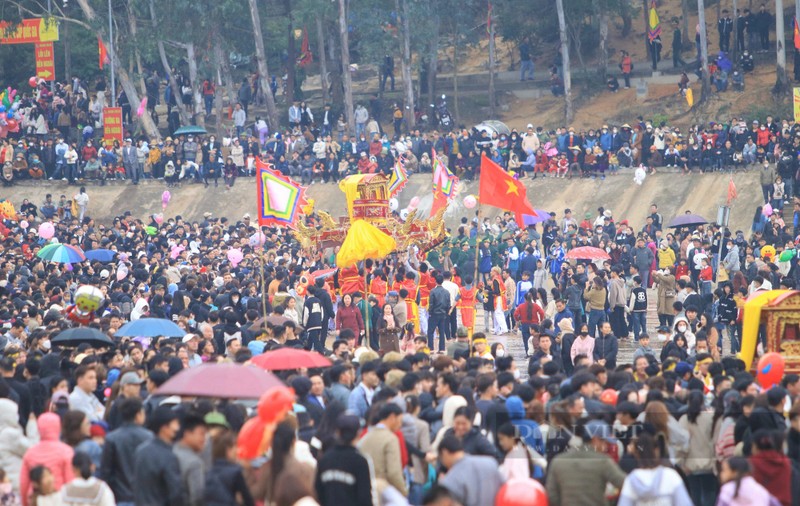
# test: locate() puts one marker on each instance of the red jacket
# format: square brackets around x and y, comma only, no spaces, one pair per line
[521,314]
[349,317]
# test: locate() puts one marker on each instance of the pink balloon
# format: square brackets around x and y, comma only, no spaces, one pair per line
[414,203]
[165,199]
[47,230]
[235,256]
[159,218]
[142,107]
[257,239]
[23,224]
[470,201]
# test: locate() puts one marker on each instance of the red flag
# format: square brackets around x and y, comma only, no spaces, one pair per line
[306,56]
[103,52]
[796,35]
[499,189]
[731,191]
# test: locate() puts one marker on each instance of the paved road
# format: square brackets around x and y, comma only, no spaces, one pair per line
[514,346]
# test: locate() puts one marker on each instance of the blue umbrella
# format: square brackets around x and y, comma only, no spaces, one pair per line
[151,327]
[542,215]
[100,255]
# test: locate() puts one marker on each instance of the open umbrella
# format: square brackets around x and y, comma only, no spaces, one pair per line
[220,380]
[151,327]
[687,220]
[323,273]
[587,253]
[61,253]
[189,129]
[100,255]
[79,335]
[289,358]
[541,215]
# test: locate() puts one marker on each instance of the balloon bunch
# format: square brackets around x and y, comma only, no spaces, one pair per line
[9,105]
[255,438]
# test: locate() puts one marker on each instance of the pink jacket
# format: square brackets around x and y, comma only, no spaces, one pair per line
[50,452]
[582,347]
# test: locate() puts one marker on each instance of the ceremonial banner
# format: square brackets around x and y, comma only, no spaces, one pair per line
[653,23]
[45,61]
[399,177]
[444,185]
[279,198]
[112,125]
[796,103]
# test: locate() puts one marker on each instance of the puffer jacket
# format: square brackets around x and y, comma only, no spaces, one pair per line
[49,452]
[13,443]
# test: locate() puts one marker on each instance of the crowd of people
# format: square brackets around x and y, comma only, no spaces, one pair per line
[423,404]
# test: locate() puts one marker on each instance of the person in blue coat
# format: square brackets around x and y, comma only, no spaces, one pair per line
[528,430]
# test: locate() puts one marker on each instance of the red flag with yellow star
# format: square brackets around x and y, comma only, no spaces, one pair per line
[499,189]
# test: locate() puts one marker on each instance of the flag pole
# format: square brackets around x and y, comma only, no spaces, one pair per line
[477,243]
[366,308]
[264,292]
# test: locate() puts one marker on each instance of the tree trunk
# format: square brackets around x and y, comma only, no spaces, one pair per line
[492,91]
[346,77]
[337,88]
[219,62]
[736,32]
[562,31]
[323,62]
[405,65]
[197,105]
[627,19]
[455,73]
[646,14]
[705,91]
[263,70]
[603,17]
[137,56]
[781,81]
[291,54]
[685,42]
[433,60]
[173,84]
[124,78]
[67,51]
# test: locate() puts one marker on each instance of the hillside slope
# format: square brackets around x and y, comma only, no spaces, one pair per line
[674,193]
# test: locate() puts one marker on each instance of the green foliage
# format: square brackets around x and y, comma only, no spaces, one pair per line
[659,118]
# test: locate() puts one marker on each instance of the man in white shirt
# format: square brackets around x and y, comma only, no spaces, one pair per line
[453,290]
[82,397]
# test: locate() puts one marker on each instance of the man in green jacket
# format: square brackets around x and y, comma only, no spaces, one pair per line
[579,476]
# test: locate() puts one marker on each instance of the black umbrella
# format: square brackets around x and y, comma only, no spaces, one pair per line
[79,335]
[687,220]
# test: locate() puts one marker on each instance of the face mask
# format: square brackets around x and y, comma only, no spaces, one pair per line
[516,374]
[192,322]
[584,334]
[681,328]
[46,345]
[501,353]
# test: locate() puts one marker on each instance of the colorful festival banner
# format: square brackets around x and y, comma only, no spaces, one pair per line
[399,177]
[796,103]
[279,198]
[653,23]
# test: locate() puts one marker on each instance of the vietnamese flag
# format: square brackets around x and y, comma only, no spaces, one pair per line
[103,52]
[499,189]
[796,35]
[732,193]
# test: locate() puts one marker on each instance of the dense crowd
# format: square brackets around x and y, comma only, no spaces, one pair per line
[424,404]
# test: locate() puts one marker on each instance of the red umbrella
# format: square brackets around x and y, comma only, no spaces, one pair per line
[290,358]
[588,253]
[220,380]
[324,273]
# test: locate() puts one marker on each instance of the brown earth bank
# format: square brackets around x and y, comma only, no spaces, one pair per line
[674,194]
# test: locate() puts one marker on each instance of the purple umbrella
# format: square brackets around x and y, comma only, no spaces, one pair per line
[542,215]
[687,220]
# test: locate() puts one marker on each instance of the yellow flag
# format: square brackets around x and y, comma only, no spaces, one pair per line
[689,97]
